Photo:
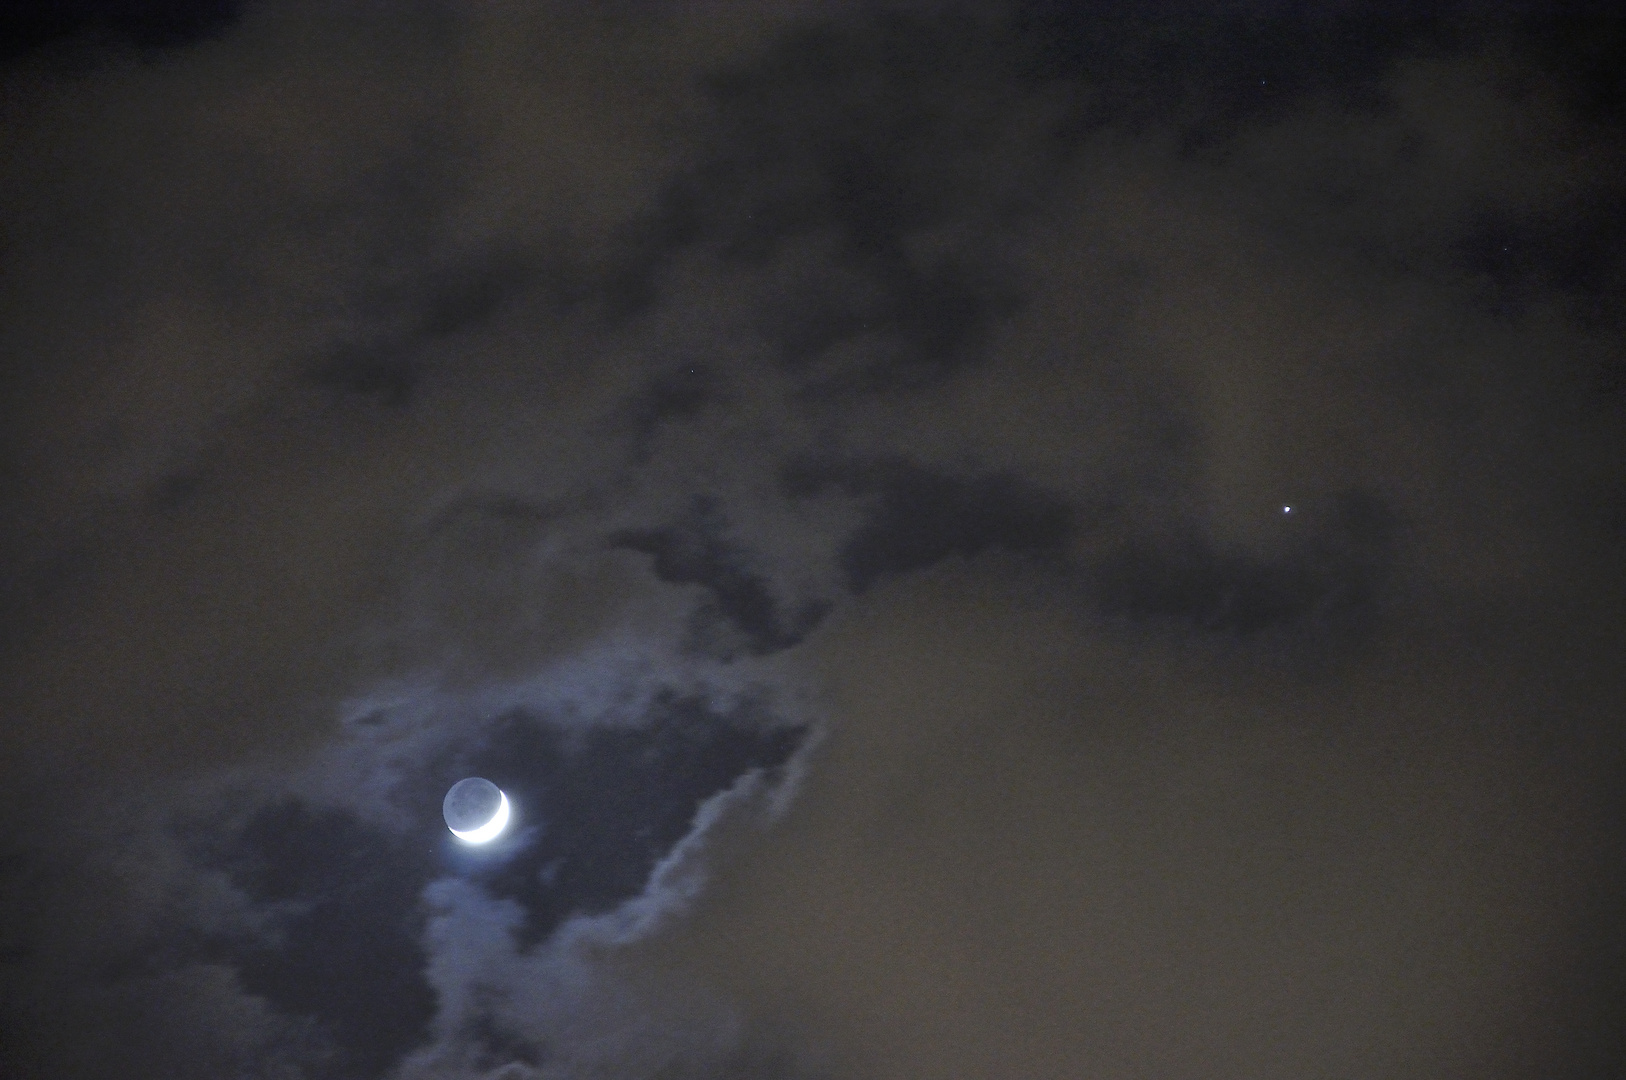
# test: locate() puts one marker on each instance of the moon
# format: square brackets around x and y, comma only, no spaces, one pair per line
[476,810]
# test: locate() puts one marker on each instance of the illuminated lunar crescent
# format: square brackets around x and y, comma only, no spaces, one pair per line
[476,810]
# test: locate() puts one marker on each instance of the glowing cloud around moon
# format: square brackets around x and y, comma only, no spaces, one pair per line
[476,810]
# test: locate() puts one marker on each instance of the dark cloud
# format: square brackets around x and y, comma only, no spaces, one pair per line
[695,551]
[919,517]
[850,136]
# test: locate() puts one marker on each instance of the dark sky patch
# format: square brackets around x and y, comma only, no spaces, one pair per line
[610,802]
[1322,574]
[1583,48]
[1576,253]
[1207,71]
[919,517]
[26,25]
[343,948]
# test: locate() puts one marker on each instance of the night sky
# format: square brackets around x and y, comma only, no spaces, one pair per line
[989,541]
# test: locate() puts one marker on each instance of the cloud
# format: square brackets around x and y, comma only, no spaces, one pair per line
[1034,846]
[871,424]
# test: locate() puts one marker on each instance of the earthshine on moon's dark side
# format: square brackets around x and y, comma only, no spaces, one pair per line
[476,810]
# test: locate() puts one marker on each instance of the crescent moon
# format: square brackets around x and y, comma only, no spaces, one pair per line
[490,829]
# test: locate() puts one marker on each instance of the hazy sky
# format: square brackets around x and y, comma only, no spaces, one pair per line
[1042,541]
